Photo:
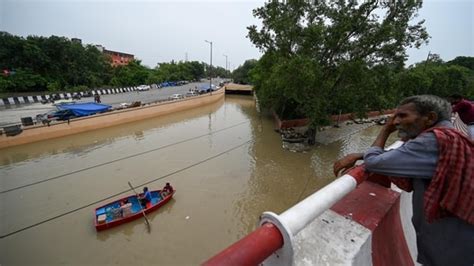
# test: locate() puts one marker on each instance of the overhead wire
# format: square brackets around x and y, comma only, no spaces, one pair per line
[122,192]
[119,159]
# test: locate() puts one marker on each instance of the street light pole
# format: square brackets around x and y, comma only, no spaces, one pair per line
[225,62]
[210,69]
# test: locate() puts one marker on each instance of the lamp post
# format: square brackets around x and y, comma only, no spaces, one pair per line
[210,69]
[225,63]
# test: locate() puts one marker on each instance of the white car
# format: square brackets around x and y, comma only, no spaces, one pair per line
[143,88]
[191,93]
[176,96]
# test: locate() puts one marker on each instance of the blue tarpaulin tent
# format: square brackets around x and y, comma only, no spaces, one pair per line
[83,109]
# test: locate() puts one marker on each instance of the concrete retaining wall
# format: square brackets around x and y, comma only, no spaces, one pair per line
[283,124]
[39,132]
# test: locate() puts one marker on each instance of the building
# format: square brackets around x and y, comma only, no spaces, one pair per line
[118,58]
[76,40]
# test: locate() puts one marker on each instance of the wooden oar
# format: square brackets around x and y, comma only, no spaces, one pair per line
[140,204]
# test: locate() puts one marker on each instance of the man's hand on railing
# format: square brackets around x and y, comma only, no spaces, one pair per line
[346,162]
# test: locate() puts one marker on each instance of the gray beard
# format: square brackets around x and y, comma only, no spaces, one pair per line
[403,134]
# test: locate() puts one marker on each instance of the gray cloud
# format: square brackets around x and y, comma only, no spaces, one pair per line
[161,31]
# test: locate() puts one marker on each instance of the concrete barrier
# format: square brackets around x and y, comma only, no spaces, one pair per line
[18,100]
[109,119]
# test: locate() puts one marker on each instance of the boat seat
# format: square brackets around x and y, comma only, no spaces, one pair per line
[101,218]
[126,209]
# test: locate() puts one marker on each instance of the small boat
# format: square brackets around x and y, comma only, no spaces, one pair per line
[117,213]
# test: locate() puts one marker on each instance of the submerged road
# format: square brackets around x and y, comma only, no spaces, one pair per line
[12,114]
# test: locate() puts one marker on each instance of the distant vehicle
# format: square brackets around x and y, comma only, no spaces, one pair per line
[143,88]
[76,96]
[65,101]
[54,97]
[87,94]
[168,84]
[46,118]
[204,89]
[191,93]
[176,96]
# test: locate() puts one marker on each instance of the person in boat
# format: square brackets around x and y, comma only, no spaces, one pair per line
[465,109]
[145,197]
[125,208]
[167,189]
[437,163]
[124,202]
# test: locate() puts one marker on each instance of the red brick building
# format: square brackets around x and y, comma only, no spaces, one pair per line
[118,58]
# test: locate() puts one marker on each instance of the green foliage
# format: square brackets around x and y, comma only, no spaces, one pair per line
[54,86]
[58,64]
[321,57]
[132,74]
[173,71]
[242,74]
[216,72]
[464,61]
[440,79]
[53,63]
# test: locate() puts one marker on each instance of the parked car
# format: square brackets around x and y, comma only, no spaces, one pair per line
[191,93]
[143,88]
[176,96]
[54,97]
[203,90]
[87,94]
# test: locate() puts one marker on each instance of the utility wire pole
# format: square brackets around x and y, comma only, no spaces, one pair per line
[210,68]
[225,62]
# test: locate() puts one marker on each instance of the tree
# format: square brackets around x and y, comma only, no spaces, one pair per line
[243,73]
[442,79]
[465,61]
[318,54]
[53,63]
[132,74]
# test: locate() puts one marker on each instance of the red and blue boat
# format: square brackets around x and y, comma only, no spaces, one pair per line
[127,209]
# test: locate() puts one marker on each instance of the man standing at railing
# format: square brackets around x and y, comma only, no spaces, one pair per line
[437,164]
[465,109]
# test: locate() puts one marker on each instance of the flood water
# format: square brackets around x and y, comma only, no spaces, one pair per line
[225,161]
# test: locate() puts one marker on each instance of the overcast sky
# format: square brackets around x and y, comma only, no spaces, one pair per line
[160,31]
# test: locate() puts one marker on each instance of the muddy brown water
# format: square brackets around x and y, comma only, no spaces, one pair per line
[225,161]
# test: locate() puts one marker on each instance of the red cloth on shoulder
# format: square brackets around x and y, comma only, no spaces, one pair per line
[451,191]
